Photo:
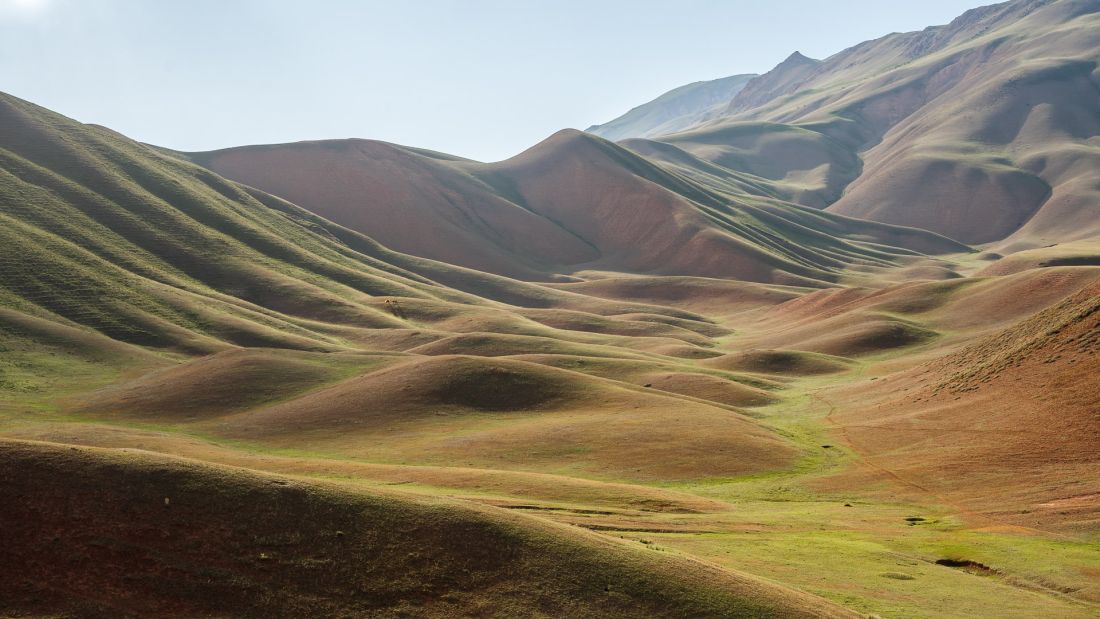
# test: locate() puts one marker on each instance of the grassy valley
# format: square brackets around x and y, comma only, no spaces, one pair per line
[740,370]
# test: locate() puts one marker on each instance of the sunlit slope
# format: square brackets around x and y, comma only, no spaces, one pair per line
[974,392]
[104,232]
[500,413]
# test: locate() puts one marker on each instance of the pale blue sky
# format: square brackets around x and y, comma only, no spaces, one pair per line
[478,78]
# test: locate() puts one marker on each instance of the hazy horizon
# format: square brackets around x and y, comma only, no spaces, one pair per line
[480,79]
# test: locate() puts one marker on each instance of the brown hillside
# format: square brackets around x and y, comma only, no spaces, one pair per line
[487,411]
[219,384]
[982,130]
[571,203]
[1007,426]
[409,201]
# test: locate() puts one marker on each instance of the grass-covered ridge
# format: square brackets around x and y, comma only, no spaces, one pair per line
[242,544]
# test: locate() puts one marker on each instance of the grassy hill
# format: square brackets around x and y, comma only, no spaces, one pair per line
[99,533]
[144,296]
[1013,413]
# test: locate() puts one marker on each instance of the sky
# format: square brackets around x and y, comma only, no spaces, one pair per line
[483,79]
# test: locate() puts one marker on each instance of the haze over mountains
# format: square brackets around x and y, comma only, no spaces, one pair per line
[675,110]
[982,130]
[818,342]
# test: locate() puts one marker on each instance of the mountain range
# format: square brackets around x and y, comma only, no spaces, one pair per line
[817,342]
[982,130]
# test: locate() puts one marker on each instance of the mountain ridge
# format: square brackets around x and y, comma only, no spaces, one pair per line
[674,110]
[979,129]
[594,201]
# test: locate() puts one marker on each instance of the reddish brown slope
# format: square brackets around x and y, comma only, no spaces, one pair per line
[989,137]
[603,192]
[981,129]
[408,200]
[570,203]
[1009,426]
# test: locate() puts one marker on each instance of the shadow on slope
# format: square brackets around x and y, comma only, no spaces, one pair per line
[510,414]
[100,533]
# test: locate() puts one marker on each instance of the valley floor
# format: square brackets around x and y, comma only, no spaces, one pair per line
[835,512]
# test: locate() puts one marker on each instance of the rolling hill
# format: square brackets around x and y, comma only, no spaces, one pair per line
[1005,422]
[667,377]
[106,234]
[136,534]
[569,204]
[142,293]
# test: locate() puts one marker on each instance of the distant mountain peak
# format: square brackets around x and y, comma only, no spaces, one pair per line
[798,58]
[674,110]
[785,77]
